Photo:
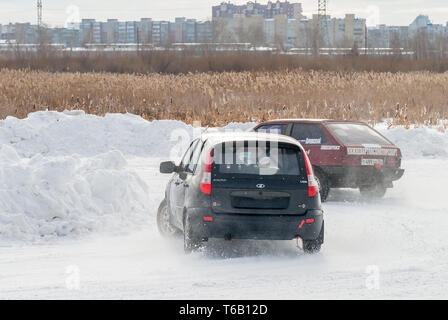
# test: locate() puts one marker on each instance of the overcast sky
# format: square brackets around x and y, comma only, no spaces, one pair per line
[58,12]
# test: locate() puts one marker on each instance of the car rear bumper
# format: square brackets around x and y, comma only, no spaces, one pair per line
[256,227]
[354,177]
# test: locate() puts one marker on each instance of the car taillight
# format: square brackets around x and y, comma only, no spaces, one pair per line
[206,181]
[313,187]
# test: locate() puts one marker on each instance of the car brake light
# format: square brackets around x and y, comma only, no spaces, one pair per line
[313,187]
[208,219]
[206,181]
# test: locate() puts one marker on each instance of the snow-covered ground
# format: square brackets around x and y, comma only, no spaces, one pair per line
[78,198]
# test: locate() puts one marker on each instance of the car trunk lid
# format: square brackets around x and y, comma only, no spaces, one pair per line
[277,186]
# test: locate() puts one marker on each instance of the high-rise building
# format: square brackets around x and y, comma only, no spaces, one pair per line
[112,31]
[122,32]
[131,32]
[165,38]
[179,32]
[268,11]
[145,31]
[97,32]
[86,31]
[161,33]
[204,32]
[190,31]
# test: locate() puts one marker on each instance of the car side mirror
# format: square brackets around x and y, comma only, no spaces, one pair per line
[168,167]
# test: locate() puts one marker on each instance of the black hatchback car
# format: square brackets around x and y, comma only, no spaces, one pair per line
[242,186]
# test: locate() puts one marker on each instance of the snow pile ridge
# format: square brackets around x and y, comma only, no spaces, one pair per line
[48,197]
[64,133]
[418,142]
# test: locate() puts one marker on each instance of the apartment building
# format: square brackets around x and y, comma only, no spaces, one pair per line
[242,29]
[161,33]
[292,33]
[383,36]
[190,31]
[97,30]
[145,31]
[86,31]
[179,29]
[279,24]
[131,32]
[345,33]
[267,11]
[204,32]
[112,31]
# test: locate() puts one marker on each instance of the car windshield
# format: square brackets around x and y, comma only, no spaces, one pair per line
[273,128]
[263,161]
[352,133]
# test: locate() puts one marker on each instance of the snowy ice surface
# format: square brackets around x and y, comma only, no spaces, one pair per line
[78,199]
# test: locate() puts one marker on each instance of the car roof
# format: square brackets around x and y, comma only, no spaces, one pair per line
[280,121]
[217,138]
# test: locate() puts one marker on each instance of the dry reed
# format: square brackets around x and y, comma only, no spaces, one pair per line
[413,98]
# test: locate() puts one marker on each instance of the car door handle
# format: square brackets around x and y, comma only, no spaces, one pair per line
[177,183]
[186,185]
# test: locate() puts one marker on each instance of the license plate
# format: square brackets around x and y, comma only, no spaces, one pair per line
[372,162]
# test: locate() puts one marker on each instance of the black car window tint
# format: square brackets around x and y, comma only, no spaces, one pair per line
[196,153]
[260,161]
[187,157]
[309,134]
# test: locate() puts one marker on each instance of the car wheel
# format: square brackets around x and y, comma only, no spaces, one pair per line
[164,224]
[191,241]
[314,246]
[323,184]
[374,191]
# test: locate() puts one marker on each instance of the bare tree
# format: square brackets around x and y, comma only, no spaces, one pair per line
[316,37]
[240,31]
[441,46]
[44,42]
[355,50]
[256,35]
[420,44]
[395,44]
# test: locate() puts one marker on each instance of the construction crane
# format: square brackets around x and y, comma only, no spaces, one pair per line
[39,14]
[321,24]
[322,9]
[39,22]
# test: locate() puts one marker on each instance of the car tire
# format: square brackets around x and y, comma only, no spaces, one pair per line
[376,191]
[314,246]
[164,224]
[192,242]
[323,183]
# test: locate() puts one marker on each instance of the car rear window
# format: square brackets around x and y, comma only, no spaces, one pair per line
[257,160]
[352,133]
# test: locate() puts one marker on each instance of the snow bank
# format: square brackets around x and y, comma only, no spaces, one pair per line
[66,173]
[418,142]
[48,197]
[53,133]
